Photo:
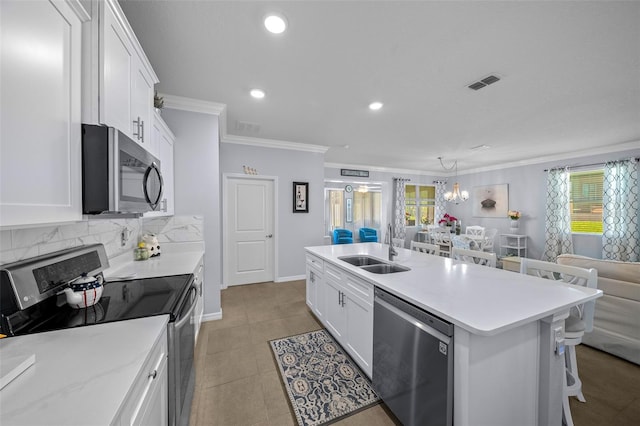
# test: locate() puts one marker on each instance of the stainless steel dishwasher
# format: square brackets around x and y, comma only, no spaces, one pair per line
[412,361]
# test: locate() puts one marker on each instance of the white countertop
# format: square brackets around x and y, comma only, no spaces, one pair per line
[176,259]
[479,299]
[81,376]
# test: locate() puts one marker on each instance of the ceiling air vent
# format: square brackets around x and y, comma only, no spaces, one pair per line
[247,127]
[489,80]
[484,82]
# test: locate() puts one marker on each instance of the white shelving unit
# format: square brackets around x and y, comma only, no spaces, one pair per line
[513,245]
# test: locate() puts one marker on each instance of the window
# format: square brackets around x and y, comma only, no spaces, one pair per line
[586,201]
[420,204]
[367,208]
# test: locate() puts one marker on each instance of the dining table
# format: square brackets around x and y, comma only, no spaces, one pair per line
[465,241]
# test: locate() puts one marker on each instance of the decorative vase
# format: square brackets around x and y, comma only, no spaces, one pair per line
[514,226]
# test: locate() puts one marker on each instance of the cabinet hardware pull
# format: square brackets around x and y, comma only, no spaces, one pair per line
[153,374]
[142,125]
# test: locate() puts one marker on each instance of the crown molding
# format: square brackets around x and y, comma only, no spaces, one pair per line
[193,105]
[272,143]
[608,149]
[384,169]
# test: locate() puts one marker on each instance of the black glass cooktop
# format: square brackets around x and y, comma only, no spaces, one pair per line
[121,300]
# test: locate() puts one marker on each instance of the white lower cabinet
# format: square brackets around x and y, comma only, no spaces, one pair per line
[347,310]
[315,285]
[335,317]
[147,401]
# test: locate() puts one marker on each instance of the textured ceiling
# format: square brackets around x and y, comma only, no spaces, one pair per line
[570,75]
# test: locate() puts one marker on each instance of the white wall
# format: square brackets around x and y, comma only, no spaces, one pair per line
[197,188]
[296,230]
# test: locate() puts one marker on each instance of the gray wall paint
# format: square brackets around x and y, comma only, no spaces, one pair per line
[295,230]
[197,188]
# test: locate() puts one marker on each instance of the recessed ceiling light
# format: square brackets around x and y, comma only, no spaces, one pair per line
[257,93]
[275,24]
[374,106]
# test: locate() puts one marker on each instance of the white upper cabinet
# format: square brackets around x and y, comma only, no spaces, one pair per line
[115,75]
[118,80]
[40,111]
[141,104]
[162,147]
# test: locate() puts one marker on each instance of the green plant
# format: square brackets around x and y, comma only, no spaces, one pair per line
[158,101]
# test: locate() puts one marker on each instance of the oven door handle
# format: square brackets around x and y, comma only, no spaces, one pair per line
[187,316]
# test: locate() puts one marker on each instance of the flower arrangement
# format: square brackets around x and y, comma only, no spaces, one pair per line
[424,220]
[514,214]
[447,220]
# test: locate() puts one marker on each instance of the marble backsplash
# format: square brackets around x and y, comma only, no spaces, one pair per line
[19,244]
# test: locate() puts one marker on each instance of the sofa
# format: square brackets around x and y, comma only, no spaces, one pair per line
[616,324]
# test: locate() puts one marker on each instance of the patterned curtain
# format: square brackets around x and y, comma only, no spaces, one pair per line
[558,217]
[620,233]
[398,218]
[440,208]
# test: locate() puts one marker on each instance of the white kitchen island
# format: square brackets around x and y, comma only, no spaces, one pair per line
[506,371]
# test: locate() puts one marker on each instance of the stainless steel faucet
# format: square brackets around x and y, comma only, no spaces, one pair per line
[392,250]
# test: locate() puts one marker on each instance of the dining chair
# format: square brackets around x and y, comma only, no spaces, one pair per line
[476,257]
[475,230]
[425,248]
[397,242]
[489,239]
[442,238]
[579,322]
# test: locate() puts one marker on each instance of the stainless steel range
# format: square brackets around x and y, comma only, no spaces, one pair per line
[31,302]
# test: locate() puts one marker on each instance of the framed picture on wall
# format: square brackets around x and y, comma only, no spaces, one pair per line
[490,200]
[300,197]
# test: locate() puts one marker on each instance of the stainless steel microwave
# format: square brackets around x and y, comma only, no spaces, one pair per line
[118,175]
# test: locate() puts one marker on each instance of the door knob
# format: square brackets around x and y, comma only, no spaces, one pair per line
[270,236]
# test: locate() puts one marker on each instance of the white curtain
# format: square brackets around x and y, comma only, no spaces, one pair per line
[399,230]
[558,216]
[620,233]
[440,208]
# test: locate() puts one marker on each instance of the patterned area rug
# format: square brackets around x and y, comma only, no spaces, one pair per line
[323,383]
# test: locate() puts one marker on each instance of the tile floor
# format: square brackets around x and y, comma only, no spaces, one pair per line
[238,382]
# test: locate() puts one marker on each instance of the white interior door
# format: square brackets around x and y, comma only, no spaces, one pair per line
[250,230]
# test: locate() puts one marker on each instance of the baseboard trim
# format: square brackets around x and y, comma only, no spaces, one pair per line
[212,317]
[291,278]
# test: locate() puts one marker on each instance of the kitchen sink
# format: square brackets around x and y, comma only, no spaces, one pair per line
[361,260]
[385,268]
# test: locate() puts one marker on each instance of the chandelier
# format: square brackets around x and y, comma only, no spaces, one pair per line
[456,196]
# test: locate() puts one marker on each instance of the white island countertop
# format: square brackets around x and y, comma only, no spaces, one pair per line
[176,259]
[482,300]
[81,376]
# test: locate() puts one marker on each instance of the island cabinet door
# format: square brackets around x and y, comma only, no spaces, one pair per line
[359,338]
[335,314]
[314,274]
